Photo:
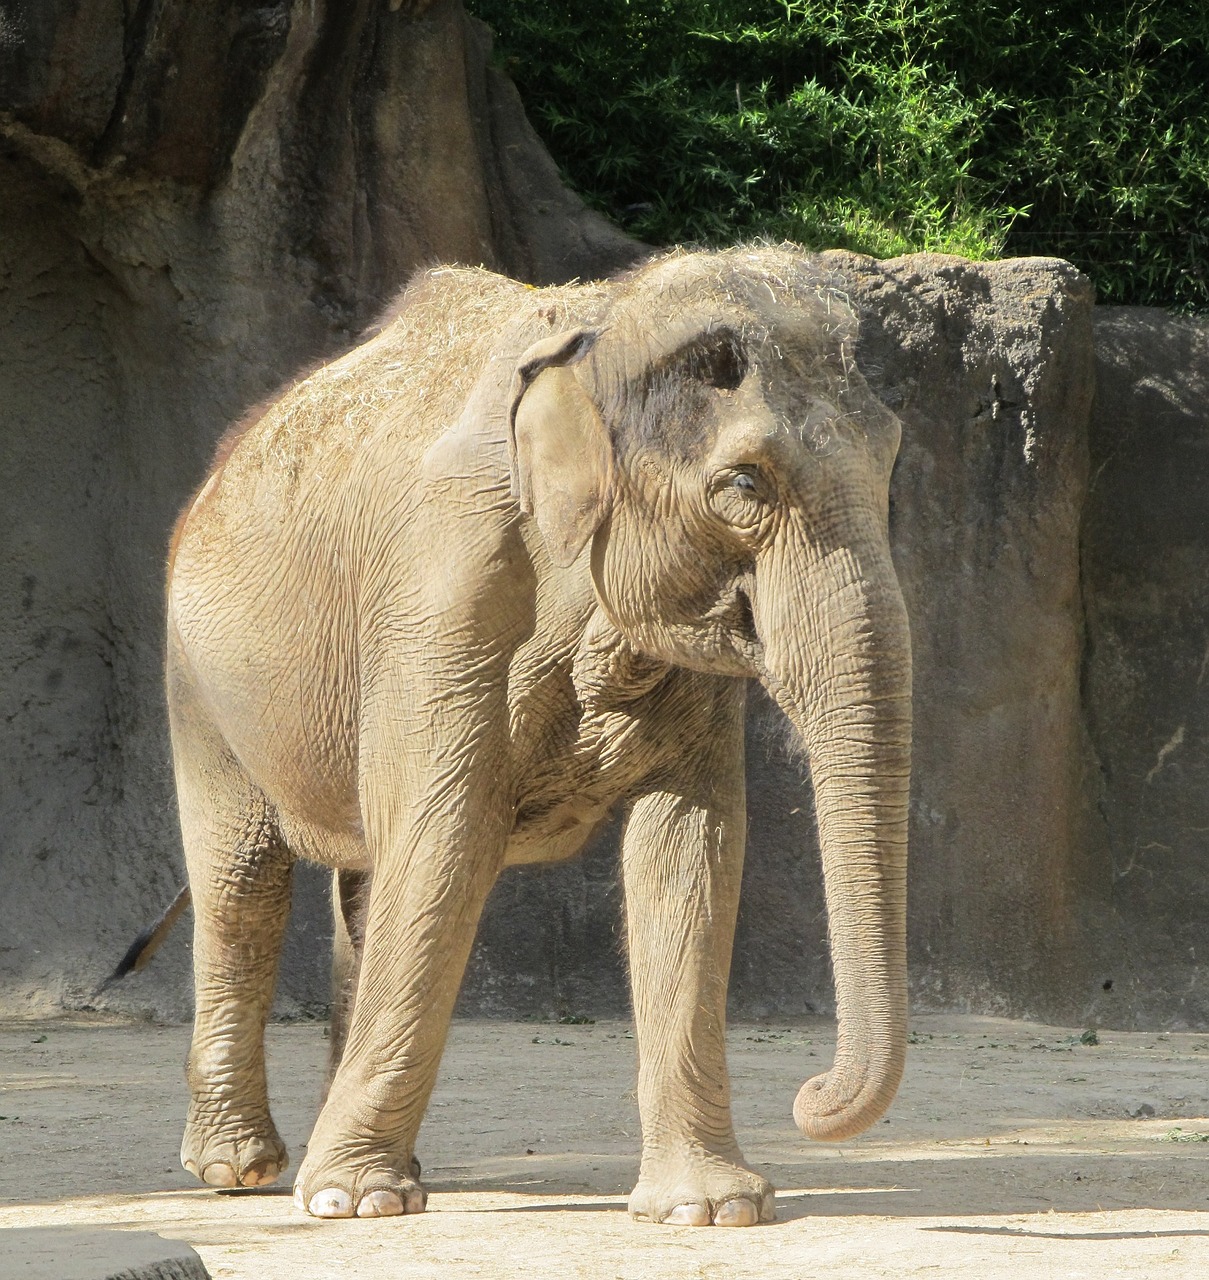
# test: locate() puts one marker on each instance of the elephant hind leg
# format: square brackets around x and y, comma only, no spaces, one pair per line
[350,905]
[350,901]
[239,874]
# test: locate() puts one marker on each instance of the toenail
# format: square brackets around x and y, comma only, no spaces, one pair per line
[417,1200]
[332,1203]
[688,1215]
[736,1213]
[220,1175]
[299,1203]
[260,1174]
[379,1204]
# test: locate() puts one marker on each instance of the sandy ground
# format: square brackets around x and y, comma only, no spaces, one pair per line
[1012,1150]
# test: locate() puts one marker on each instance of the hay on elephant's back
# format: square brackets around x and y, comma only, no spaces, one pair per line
[414,375]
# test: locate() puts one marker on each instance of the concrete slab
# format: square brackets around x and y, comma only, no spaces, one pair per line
[82,1253]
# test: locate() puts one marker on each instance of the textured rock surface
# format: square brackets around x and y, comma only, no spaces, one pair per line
[1146,587]
[989,366]
[81,1253]
[195,202]
[991,370]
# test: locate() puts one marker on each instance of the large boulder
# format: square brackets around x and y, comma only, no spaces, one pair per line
[990,368]
[1146,590]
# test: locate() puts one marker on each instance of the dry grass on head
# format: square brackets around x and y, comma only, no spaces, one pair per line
[417,369]
[421,362]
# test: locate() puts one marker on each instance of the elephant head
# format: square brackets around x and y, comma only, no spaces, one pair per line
[709,438]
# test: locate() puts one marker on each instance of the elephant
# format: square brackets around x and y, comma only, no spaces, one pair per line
[511,561]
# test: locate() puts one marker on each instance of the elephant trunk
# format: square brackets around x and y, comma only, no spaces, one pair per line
[837,659]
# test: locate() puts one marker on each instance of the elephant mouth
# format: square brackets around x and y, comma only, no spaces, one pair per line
[735,619]
[723,639]
[744,620]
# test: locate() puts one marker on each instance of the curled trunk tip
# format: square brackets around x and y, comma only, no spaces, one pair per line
[846,1100]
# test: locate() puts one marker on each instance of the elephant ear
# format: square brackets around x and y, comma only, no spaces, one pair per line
[562,458]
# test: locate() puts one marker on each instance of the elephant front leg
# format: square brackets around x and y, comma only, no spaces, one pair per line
[350,903]
[430,881]
[682,859]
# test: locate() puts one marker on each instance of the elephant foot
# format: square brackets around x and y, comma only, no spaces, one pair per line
[233,1151]
[701,1191]
[371,1189]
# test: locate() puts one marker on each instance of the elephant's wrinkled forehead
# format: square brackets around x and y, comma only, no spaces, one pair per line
[695,344]
[770,302]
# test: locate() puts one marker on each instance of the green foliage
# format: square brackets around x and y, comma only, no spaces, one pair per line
[887,126]
[1174,1135]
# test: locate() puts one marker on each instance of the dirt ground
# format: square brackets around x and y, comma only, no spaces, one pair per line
[1013,1150]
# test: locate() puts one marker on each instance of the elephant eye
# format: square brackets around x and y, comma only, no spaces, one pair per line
[741,496]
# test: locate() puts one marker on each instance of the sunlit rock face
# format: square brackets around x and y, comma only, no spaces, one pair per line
[196,203]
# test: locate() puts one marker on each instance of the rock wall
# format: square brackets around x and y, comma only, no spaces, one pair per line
[194,205]
[195,202]
[991,370]
[1146,670]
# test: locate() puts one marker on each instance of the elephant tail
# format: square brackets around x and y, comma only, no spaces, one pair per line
[140,951]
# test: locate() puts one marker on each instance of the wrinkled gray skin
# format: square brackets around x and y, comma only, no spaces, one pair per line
[504,565]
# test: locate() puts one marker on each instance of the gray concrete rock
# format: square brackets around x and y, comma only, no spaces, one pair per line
[195,204]
[1146,681]
[83,1253]
[990,368]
